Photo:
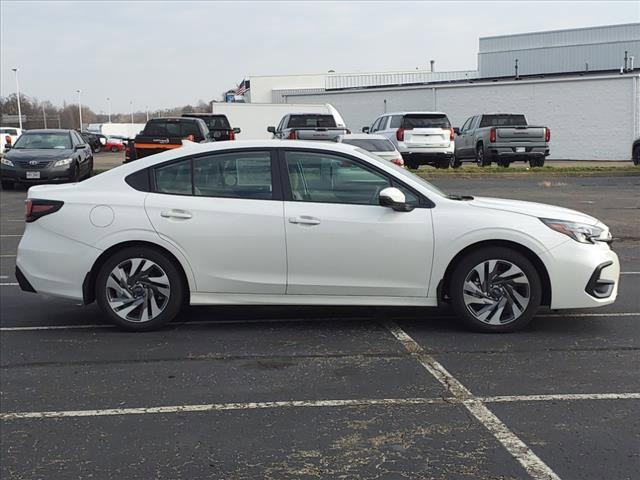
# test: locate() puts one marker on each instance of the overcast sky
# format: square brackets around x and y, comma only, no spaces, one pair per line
[164,54]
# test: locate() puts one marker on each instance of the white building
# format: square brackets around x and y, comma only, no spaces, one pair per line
[584,84]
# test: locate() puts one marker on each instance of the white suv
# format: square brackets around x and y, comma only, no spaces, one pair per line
[423,138]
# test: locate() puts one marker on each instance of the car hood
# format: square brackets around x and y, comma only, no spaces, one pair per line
[534,209]
[39,154]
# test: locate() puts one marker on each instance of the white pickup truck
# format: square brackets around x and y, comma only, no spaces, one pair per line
[310,126]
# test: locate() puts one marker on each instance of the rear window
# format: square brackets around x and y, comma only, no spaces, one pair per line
[168,128]
[371,145]
[425,120]
[9,131]
[313,121]
[502,120]
[214,122]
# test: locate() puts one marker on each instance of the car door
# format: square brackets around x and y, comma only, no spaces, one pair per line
[224,211]
[340,241]
[462,140]
[83,154]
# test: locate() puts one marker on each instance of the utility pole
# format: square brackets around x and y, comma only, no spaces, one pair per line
[109,102]
[79,109]
[44,116]
[15,70]
[147,113]
[131,105]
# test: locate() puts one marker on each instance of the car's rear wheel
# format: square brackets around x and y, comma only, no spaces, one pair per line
[443,163]
[455,162]
[636,156]
[536,162]
[140,289]
[8,185]
[412,164]
[495,289]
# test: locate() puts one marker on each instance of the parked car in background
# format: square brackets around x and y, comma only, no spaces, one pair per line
[377,144]
[503,138]
[9,135]
[95,140]
[161,134]
[218,125]
[46,156]
[305,223]
[422,138]
[310,126]
[635,152]
[114,144]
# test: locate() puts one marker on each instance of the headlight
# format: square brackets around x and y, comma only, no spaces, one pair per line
[580,232]
[64,162]
[7,162]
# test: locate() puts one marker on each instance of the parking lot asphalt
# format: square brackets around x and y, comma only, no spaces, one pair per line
[308,393]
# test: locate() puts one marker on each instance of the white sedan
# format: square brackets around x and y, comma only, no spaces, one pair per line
[303,223]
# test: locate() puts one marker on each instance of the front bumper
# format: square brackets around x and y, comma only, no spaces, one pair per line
[18,174]
[582,275]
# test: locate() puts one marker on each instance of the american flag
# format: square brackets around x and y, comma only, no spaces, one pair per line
[243,87]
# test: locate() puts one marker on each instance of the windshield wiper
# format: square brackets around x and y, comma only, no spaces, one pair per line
[459,197]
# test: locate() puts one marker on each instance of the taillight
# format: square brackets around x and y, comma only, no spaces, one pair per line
[34,209]
[398,161]
[400,134]
[492,135]
[232,135]
[452,134]
[292,135]
[547,134]
[7,139]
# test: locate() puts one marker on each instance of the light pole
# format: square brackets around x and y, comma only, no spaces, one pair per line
[131,104]
[44,116]
[79,109]
[147,113]
[18,97]
[109,102]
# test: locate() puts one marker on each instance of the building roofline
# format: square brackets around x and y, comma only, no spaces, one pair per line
[577,29]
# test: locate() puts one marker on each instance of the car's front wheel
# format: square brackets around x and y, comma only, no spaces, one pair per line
[140,289]
[636,155]
[495,289]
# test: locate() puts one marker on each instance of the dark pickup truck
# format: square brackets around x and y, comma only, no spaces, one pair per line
[218,125]
[310,126]
[162,134]
[502,138]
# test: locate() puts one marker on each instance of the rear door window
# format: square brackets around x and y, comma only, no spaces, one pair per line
[396,121]
[425,120]
[174,178]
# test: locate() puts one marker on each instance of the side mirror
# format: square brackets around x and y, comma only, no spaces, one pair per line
[271,130]
[80,146]
[236,130]
[365,129]
[7,147]
[456,130]
[393,198]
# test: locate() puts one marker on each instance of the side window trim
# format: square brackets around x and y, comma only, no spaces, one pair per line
[424,201]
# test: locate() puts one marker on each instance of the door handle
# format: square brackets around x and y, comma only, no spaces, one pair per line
[305,220]
[181,214]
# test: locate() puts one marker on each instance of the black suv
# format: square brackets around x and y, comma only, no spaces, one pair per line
[218,125]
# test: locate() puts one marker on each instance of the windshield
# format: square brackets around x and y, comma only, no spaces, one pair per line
[302,121]
[371,145]
[425,120]
[404,172]
[503,120]
[44,141]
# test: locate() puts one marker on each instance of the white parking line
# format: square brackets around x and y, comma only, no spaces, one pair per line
[212,407]
[516,447]
[561,397]
[9,284]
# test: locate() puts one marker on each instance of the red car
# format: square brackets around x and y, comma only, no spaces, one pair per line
[113,145]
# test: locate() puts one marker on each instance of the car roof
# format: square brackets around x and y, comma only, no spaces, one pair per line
[363,136]
[48,130]
[195,115]
[413,113]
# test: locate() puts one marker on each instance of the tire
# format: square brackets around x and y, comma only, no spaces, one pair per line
[513,302]
[536,162]
[504,163]
[74,173]
[95,149]
[455,162]
[136,266]
[412,164]
[443,163]
[481,159]
[636,156]
[114,149]
[8,185]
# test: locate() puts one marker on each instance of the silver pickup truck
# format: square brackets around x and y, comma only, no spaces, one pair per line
[503,138]
[310,126]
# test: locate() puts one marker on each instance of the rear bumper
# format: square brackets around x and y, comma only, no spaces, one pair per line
[510,152]
[422,158]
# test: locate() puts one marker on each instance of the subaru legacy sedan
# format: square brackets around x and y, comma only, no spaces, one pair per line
[304,223]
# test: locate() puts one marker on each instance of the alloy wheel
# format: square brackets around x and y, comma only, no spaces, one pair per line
[496,292]
[138,290]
